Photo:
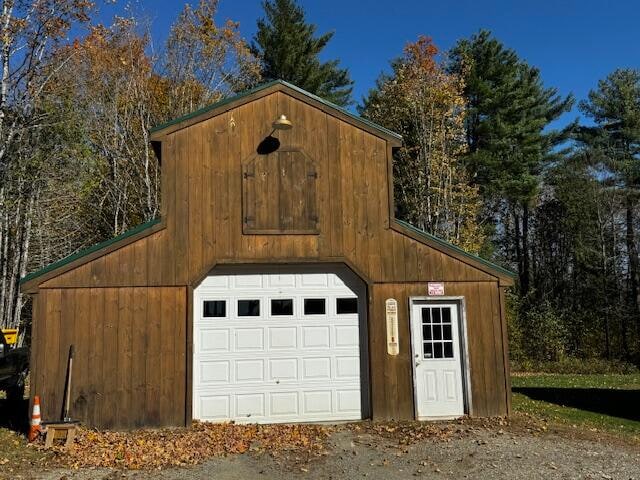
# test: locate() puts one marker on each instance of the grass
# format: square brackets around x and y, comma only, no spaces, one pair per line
[603,402]
[16,457]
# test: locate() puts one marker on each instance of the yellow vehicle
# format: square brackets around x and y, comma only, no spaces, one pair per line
[10,335]
[14,366]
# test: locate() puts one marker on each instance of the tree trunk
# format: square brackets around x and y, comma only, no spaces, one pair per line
[525,275]
[632,253]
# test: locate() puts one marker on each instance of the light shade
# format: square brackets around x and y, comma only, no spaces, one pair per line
[282,123]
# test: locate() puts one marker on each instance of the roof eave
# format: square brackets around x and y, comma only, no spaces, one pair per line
[30,283]
[505,277]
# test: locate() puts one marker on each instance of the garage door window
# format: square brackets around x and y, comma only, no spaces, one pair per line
[214,308]
[314,306]
[282,306]
[248,308]
[346,305]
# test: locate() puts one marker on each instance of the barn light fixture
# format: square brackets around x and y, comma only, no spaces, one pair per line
[282,123]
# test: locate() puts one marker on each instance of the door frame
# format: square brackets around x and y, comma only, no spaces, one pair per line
[464,347]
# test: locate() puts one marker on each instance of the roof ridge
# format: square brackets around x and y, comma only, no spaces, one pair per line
[263,86]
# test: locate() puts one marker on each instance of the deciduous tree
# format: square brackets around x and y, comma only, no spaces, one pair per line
[425,103]
[30,31]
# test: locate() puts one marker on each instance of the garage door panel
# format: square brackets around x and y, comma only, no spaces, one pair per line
[217,281]
[249,339]
[348,401]
[283,369]
[250,405]
[313,280]
[347,368]
[278,281]
[284,404]
[316,368]
[317,401]
[215,372]
[275,368]
[346,336]
[214,340]
[316,337]
[215,407]
[247,281]
[249,371]
[283,338]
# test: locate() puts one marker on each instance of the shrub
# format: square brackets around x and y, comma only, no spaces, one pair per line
[573,365]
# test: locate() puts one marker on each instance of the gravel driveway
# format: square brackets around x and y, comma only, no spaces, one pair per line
[473,454]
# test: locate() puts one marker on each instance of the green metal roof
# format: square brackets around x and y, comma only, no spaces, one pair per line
[264,86]
[87,251]
[446,244]
[151,223]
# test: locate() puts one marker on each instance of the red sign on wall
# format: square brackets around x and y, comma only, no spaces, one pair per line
[435,289]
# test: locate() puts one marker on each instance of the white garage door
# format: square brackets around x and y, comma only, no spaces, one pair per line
[276,348]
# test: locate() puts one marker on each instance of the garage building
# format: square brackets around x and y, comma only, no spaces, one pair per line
[277,286]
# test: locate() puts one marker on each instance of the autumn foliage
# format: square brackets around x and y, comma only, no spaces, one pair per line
[151,449]
[426,104]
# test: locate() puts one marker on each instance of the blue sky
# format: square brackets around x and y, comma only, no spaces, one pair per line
[573,42]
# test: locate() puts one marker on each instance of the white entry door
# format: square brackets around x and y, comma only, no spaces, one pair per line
[437,360]
[276,348]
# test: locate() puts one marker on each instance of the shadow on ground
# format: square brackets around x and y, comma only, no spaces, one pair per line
[616,403]
[14,415]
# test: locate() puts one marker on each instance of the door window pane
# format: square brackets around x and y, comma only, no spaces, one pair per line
[426,332]
[428,350]
[248,308]
[314,306]
[435,315]
[437,332]
[426,315]
[448,350]
[214,308]
[446,315]
[282,307]
[437,350]
[446,332]
[346,305]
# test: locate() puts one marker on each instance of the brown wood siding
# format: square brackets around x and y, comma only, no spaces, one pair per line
[392,376]
[140,290]
[129,364]
[202,179]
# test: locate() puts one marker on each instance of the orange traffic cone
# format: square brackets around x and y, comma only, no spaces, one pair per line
[35,429]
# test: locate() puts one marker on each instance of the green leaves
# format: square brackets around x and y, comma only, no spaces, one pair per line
[289,50]
[425,104]
[509,110]
[615,139]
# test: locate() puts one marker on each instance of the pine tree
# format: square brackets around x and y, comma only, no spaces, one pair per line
[508,112]
[614,143]
[289,49]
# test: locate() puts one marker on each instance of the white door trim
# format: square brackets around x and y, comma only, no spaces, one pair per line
[464,346]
